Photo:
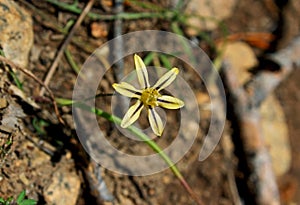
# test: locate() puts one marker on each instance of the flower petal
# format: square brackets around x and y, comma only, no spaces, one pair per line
[132,114]
[169,102]
[155,121]
[141,71]
[127,90]
[166,79]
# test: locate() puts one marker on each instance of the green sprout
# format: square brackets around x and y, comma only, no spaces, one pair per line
[20,200]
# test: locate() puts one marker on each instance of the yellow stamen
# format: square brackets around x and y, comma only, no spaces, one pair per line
[149,97]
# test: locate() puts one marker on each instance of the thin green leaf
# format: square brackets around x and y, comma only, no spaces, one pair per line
[147,5]
[71,61]
[149,58]
[39,125]
[28,202]
[167,14]
[69,24]
[63,101]
[16,80]
[180,5]
[2,54]
[21,197]
[10,199]
[2,200]
[165,61]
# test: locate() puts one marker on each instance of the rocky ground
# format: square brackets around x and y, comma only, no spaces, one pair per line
[44,157]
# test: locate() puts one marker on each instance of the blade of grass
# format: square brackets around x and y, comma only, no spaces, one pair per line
[165,61]
[21,197]
[129,16]
[16,80]
[180,4]
[149,58]
[146,5]
[71,61]
[12,74]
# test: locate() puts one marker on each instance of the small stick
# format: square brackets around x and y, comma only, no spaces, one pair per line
[261,179]
[66,42]
[245,103]
[190,191]
[30,74]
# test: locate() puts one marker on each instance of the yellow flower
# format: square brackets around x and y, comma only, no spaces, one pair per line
[148,97]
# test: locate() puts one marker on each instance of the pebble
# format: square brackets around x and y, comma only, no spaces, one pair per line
[275,130]
[24,179]
[241,58]
[15,40]
[3,103]
[64,187]
[205,14]
[99,29]
[166,179]
[151,192]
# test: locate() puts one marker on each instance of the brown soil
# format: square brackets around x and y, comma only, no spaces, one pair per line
[45,161]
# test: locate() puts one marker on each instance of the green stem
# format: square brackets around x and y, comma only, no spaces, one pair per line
[165,61]
[132,129]
[71,61]
[128,16]
[146,5]
[138,133]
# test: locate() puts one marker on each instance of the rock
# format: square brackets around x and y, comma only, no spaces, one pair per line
[64,187]
[16,31]
[207,13]
[25,162]
[99,29]
[40,157]
[11,115]
[125,200]
[24,179]
[275,130]
[241,58]
[3,103]
[166,179]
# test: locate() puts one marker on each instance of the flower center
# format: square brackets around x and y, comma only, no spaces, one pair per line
[149,97]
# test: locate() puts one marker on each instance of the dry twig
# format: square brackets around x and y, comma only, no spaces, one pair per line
[66,42]
[31,75]
[245,103]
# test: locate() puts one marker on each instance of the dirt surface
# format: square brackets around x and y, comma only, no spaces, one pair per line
[45,158]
